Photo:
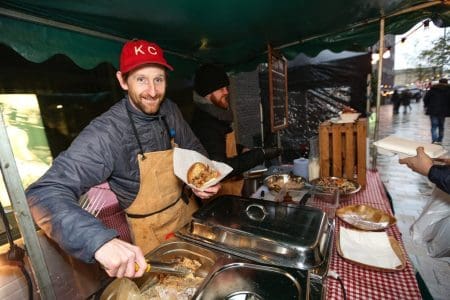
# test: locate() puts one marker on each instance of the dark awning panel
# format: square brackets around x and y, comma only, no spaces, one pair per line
[233,33]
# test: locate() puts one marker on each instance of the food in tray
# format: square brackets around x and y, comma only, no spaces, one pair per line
[176,287]
[329,184]
[288,181]
[365,217]
[200,174]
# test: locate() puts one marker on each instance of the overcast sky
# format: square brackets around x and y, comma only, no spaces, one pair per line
[406,54]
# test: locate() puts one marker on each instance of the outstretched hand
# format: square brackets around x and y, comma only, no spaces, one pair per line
[119,259]
[421,163]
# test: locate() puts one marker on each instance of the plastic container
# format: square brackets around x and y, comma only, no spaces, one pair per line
[326,202]
[300,168]
[313,159]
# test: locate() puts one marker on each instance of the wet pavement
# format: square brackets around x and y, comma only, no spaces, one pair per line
[410,191]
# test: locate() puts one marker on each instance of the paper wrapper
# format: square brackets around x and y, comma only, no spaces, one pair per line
[369,248]
[183,159]
[395,145]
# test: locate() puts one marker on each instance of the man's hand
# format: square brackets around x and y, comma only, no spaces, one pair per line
[421,163]
[207,193]
[118,258]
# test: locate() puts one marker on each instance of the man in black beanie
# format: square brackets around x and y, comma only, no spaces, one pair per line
[212,124]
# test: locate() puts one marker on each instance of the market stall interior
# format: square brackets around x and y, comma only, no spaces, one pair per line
[243,37]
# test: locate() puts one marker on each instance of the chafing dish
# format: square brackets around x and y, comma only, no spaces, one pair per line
[251,249]
[266,232]
[228,276]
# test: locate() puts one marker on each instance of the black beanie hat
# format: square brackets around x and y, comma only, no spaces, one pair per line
[209,78]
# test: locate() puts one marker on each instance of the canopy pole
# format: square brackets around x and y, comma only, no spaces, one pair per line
[23,216]
[379,80]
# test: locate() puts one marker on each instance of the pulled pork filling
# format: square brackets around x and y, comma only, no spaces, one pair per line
[176,287]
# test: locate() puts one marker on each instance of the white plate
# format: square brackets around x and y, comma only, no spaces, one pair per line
[404,147]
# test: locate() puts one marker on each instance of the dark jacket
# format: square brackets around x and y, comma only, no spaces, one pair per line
[437,100]
[212,134]
[440,175]
[106,150]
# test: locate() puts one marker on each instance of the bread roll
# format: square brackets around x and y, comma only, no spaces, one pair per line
[200,174]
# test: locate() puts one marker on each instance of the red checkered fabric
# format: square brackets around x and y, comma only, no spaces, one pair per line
[362,283]
[111,214]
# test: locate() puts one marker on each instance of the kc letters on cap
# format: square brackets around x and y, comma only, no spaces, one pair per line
[136,53]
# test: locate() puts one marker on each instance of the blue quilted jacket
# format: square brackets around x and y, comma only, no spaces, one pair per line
[440,175]
[106,150]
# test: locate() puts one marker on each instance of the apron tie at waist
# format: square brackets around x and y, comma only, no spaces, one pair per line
[139,216]
[184,195]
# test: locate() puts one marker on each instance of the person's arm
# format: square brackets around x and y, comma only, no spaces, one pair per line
[426,99]
[440,175]
[53,199]
[423,164]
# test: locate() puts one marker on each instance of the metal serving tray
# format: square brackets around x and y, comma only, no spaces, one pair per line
[267,232]
[227,276]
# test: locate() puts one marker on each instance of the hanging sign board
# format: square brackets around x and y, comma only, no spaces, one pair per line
[278,93]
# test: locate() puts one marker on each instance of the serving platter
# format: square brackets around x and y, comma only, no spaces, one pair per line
[329,184]
[365,217]
[397,250]
[289,182]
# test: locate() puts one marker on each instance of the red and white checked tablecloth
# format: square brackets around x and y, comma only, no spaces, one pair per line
[111,214]
[362,283]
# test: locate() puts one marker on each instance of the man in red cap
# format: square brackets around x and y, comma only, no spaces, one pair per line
[130,147]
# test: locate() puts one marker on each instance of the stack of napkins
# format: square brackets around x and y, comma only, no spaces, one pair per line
[396,145]
[369,248]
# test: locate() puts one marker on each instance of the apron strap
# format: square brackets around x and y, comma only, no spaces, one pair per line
[170,131]
[136,134]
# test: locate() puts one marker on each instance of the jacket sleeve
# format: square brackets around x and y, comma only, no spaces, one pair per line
[426,99]
[244,161]
[440,175]
[53,199]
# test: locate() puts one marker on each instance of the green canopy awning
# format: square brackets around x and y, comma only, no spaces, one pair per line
[234,33]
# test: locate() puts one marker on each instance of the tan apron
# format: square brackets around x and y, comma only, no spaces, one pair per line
[159,195]
[232,186]
[158,209]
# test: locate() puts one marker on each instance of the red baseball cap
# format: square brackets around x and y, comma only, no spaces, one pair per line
[139,52]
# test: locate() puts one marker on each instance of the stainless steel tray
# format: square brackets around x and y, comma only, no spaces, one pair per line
[229,277]
[263,231]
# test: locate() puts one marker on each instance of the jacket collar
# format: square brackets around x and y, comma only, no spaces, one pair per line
[208,107]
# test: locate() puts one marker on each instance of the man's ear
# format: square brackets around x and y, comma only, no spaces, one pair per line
[122,81]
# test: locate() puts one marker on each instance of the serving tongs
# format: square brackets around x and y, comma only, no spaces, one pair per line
[165,267]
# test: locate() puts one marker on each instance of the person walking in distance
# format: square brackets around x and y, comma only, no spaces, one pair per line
[437,105]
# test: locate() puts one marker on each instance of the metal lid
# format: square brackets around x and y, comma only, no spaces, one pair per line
[263,231]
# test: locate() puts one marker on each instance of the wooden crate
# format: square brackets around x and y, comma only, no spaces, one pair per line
[342,149]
